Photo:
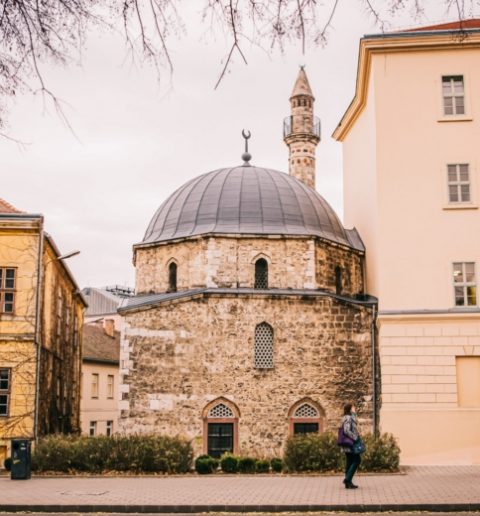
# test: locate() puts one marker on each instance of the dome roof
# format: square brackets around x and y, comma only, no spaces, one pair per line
[247,200]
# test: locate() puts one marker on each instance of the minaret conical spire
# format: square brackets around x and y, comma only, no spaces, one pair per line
[301,131]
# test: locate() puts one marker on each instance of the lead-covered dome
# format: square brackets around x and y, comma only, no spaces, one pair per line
[247,200]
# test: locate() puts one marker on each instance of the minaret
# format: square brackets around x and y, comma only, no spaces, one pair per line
[301,131]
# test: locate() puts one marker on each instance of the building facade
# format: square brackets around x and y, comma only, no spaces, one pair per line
[41,314]
[251,320]
[411,187]
[99,398]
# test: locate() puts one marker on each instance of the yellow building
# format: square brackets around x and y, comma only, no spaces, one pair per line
[41,316]
[411,188]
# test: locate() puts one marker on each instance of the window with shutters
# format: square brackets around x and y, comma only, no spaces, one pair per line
[261,273]
[263,347]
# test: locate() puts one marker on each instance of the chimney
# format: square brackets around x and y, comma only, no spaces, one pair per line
[109,326]
[301,132]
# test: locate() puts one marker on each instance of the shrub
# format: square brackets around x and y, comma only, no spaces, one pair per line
[262,466]
[382,454]
[319,452]
[313,452]
[246,465]
[204,464]
[136,453]
[276,464]
[7,464]
[229,463]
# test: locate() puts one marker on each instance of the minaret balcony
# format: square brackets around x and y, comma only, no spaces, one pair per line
[300,124]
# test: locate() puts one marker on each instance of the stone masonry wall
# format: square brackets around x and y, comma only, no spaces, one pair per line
[172,366]
[230,263]
[351,264]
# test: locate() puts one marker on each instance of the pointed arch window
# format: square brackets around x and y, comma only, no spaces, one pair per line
[220,428]
[306,417]
[261,273]
[263,348]
[172,277]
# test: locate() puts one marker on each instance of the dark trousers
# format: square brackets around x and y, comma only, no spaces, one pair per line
[352,462]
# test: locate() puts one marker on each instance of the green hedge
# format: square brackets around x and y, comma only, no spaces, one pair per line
[320,452]
[134,453]
[204,464]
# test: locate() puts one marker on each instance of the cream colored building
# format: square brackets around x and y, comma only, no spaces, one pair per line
[411,181]
[99,398]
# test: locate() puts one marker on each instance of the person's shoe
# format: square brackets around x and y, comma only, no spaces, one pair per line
[349,485]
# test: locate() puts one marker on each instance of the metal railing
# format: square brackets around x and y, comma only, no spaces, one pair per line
[301,124]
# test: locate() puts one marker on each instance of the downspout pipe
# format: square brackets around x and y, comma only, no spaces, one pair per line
[374,369]
[38,327]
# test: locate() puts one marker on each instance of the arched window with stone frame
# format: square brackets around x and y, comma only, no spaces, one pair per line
[305,417]
[172,276]
[261,273]
[263,346]
[220,427]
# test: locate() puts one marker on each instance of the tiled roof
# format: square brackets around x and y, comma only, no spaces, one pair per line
[473,23]
[97,345]
[6,207]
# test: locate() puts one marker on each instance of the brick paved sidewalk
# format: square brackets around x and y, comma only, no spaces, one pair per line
[421,488]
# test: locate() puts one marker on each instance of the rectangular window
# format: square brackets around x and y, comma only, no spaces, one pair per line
[109,428]
[453,95]
[7,289]
[94,391]
[468,381]
[110,385]
[458,183]
[93,429]
[464,284]
[4,390]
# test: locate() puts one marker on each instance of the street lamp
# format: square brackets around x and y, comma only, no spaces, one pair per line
[68,255]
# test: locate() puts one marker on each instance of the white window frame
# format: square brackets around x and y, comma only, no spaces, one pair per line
[458,183]
[109,428]
[92,429]
[110,386]
[464,284]
[453,96]
[95,391]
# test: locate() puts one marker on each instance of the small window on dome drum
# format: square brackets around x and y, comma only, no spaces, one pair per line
[172,277]
[338,280]
[261,273]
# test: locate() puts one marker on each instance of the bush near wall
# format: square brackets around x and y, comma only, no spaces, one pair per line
[320,452]
[133,453]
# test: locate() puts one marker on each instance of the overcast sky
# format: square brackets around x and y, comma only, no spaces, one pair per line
[139,140]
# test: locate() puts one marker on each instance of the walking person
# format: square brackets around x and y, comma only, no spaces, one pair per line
[350,430]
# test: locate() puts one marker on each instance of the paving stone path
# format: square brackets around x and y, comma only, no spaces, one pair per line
[422,488]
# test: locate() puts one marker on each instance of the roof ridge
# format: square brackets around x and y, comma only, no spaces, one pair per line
[6,207]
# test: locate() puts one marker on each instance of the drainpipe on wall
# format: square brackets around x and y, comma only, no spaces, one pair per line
[38,327]
[374,369]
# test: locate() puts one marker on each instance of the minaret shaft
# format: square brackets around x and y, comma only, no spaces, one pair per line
[301,132]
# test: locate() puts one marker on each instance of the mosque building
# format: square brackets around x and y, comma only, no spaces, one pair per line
[250,321]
